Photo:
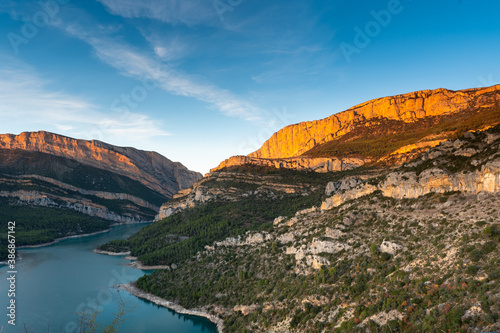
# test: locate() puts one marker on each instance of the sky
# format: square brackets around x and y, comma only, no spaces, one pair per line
[202,80]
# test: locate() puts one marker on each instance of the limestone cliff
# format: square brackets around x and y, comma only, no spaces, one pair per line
[87,207]
[295,163]
[470,165]
[119,184]
[149,168]
[294,140]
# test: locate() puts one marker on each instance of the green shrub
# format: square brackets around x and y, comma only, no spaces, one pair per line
[385,256]
[472,270]
[475,255]
[488,247]
[488,231]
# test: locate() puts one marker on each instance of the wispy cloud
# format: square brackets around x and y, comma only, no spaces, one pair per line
[167,47]
[134,63]
[191,12]
[27,104]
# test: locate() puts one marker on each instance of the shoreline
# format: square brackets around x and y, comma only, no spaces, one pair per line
[132,289]
[137,264]
[57,240]
[108,253]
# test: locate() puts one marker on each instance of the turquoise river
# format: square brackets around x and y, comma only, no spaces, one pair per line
[54,283]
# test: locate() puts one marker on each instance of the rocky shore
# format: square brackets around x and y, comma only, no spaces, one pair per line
[131,288]
[139,265]
[135,263]
[109,253]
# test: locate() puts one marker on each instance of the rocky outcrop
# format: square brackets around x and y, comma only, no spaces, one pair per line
[341,198]
[408,185]
[99,194]
[150,168]
[390,247]
[476,158]
[34,198]
[294,140]
[250,239]
[311,252]
[214,187]
[296,163]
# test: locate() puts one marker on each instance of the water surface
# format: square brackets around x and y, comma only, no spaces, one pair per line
[56,282]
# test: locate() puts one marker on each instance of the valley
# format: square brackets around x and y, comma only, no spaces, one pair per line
[387,221]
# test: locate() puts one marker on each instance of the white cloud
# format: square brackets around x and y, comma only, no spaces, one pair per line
[167,49]
[27,104]
[134,64]
[190,12]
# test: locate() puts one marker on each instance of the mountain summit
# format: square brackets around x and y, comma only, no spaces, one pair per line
[390,129]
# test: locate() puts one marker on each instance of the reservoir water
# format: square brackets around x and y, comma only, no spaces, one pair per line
[56,282]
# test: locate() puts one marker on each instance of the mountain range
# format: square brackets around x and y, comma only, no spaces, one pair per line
[380,218]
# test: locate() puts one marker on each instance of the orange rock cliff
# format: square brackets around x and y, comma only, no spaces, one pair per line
[150,168]
[294,140]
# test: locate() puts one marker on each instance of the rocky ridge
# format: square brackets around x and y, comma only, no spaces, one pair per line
[479,173]
[227,186]
[151,169]
[294,140]
[33,198]
[26,181]
[118,184]
[340,141]
[295,163]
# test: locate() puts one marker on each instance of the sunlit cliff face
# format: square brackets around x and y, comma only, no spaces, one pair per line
[294,140]
[149,168]
[58,145]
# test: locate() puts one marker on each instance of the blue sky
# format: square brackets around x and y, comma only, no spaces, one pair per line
[201,80]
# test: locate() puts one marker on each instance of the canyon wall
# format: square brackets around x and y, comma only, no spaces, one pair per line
[295,163]
[407,185]
[87,207]
[294,140]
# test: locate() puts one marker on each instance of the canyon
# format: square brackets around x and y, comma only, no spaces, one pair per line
[382,217]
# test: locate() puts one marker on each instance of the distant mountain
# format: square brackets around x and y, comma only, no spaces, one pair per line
[44,174]
[390,129]
[151,169]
